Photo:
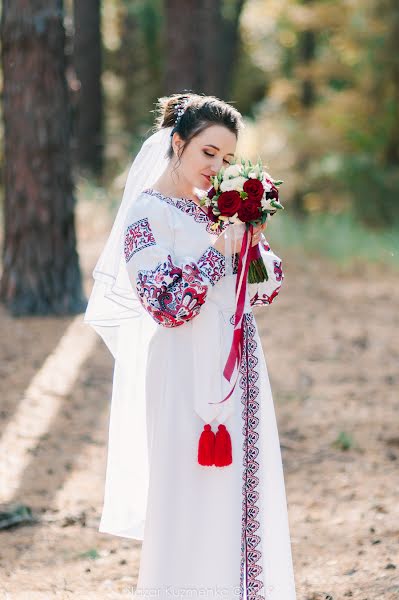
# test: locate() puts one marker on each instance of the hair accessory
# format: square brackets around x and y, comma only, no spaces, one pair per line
[181,108]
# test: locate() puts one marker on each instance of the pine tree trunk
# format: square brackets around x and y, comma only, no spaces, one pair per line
[41,274]
[201,46]
[182,65]
[88,129]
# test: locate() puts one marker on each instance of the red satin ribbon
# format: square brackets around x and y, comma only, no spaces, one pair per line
[234,358]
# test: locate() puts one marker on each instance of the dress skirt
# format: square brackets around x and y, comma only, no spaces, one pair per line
[213,532]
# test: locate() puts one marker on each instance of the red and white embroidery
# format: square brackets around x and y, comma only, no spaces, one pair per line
[172,295]
[251,570]
[264,298]
[278,271]
[138,236]
[212,264]
[265,245]
[189,207]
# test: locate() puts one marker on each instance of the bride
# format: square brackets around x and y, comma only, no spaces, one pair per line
[198,480]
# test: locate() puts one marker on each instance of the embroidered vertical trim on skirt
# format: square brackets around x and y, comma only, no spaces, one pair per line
[251,575]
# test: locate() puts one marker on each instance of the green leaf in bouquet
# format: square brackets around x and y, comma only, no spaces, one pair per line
[276,204]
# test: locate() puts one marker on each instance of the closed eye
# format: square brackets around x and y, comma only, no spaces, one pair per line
[208,154]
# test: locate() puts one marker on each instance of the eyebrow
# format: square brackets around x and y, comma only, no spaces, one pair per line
[216,148]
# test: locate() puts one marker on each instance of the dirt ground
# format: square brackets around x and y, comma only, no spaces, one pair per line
[332,354]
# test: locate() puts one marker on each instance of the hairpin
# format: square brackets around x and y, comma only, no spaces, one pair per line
[180,110]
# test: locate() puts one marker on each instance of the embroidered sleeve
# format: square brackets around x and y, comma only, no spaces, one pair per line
[265,292]
[172,291]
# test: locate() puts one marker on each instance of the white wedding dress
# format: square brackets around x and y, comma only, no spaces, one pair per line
[207,531]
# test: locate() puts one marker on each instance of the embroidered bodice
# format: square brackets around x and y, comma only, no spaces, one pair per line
[172,263]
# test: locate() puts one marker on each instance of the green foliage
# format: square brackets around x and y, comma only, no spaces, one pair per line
[374,190]
[344,441]
[339,237]
[92,554]
[333,98]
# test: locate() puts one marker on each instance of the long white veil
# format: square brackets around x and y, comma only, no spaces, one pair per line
[115,312]
[112,299]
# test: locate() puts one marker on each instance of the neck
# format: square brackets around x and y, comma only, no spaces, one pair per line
[167,186]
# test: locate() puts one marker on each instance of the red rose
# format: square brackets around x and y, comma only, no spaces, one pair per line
[254,189]
[229,203]
[250,210]
[211,216]
[273,192]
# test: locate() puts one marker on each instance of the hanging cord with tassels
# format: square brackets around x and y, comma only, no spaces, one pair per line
[215,449]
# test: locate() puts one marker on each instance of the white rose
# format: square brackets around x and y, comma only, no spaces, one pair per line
[266,204]
[267,185]
[233,184]
[232,171]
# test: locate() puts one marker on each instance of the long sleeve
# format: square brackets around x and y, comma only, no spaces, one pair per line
[265,292]
[172,291]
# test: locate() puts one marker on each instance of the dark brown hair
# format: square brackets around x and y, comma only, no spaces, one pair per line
[201,112]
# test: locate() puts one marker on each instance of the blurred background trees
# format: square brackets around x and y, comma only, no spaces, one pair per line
[317,82]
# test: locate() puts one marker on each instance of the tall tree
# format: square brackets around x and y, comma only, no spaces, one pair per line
[87,58]
[41,267]
[201,41]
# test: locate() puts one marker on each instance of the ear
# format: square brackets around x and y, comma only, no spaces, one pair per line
[177,143]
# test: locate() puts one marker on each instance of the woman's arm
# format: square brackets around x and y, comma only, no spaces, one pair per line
[172,291]
[264,293]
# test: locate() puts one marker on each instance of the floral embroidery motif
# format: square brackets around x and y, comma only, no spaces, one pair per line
[278,271]
[265,245]
[263,298]
[138,236]
[251,570]
[257,300]
[212,264]
[170,294]
[189,207]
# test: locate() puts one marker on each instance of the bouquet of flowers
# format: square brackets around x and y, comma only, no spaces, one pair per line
[244,193]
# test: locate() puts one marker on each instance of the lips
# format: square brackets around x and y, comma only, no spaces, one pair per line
[207,177]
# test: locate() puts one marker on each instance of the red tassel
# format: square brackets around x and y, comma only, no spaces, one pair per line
[223,454]
[206,447]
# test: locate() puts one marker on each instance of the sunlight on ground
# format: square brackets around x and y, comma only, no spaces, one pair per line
[41,402]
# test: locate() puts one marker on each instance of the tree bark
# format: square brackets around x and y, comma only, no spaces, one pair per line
[41,274]
[87,58]
[201,46]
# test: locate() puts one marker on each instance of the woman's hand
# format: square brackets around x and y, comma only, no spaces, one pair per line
[236,246]
[257,233]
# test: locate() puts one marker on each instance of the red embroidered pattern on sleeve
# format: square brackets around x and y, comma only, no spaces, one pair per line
[172,295]
[138,236]
[264,298]
[212,264]
[257,299]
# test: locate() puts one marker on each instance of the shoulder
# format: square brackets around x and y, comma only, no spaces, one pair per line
[151,207]
[149,217]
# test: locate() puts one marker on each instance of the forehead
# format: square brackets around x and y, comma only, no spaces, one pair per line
[218,137]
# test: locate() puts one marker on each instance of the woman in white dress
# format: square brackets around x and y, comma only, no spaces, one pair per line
[200,481]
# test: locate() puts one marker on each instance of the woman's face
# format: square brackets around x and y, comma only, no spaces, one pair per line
[206,153]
